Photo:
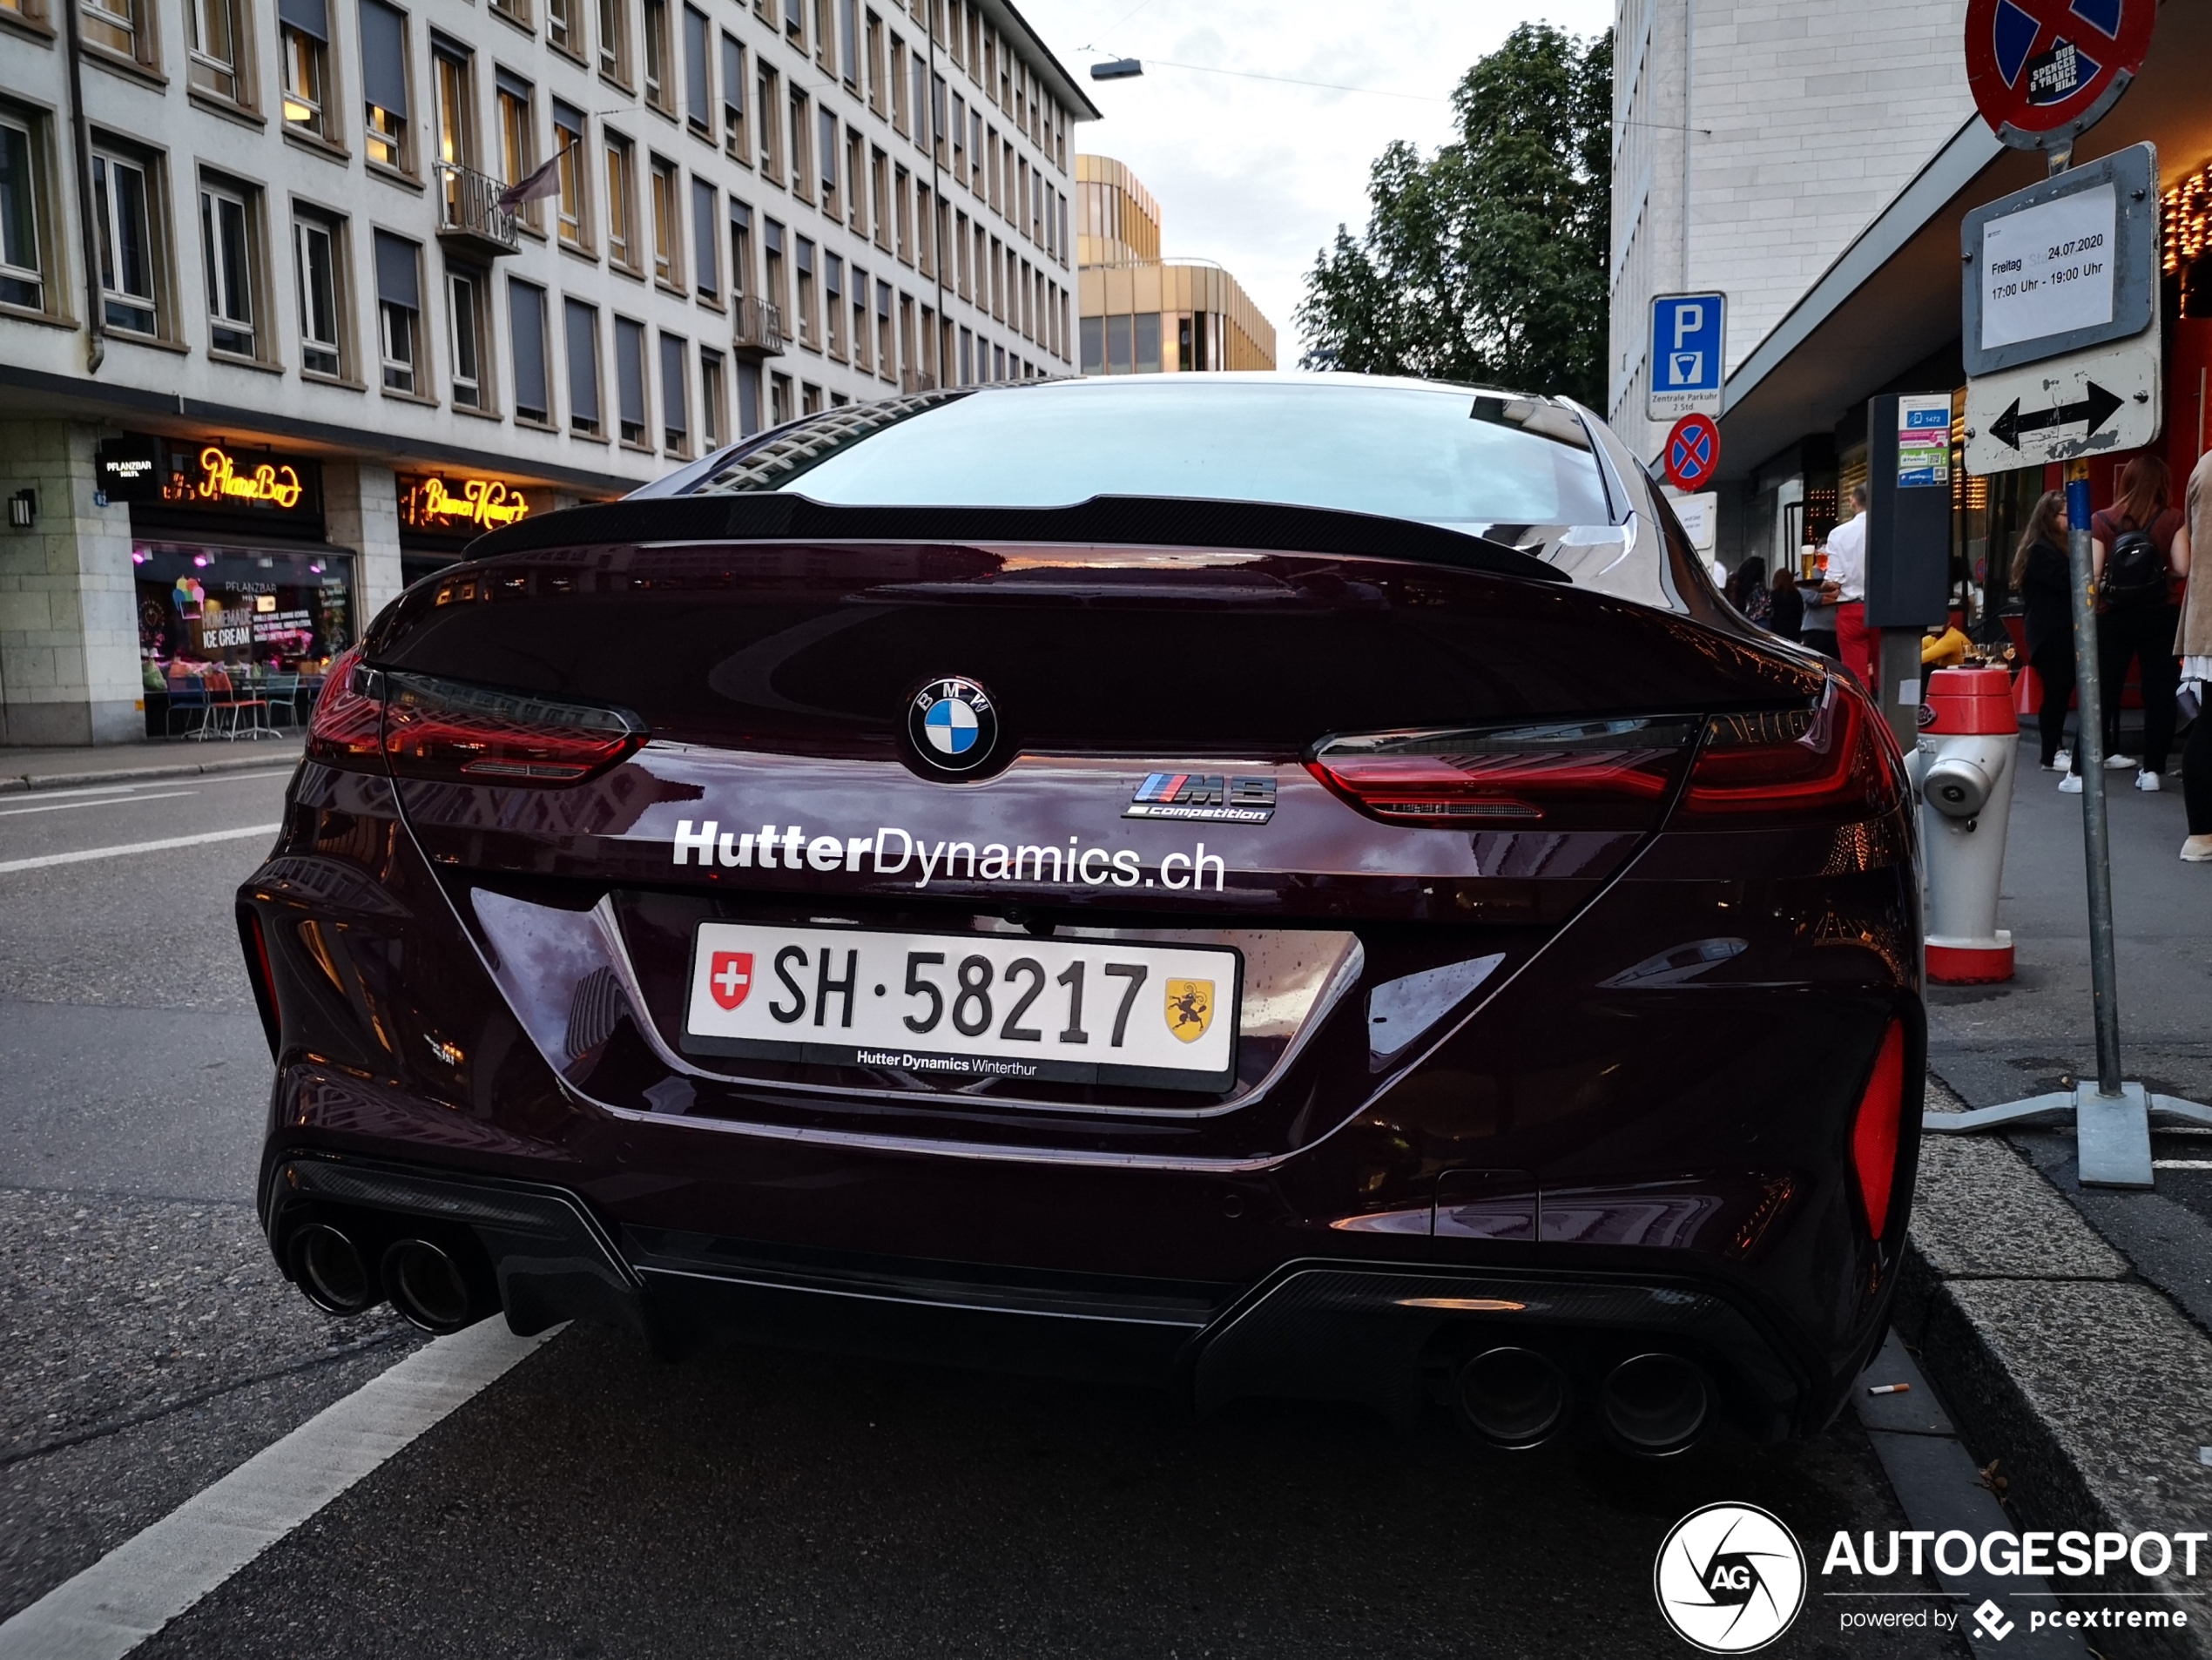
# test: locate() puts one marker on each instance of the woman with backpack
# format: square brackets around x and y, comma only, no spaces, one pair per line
[2139,545]
[2040,578]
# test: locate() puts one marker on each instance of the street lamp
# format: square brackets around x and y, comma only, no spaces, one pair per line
[1117,69]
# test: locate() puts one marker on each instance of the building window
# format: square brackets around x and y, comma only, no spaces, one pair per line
[23,260]
[456,107]
[321,279]
[967,358]
[902,211]
[614,41]
[859,341]
[827,148]
[733,81]
[675,397]
[1093,331]
[517,138]
[810,325]
[771,139]
[471,342]
[802,160]
[568,139]
[384,85]
[226,245]
[516,11]
[714,420]
[886,361]
[879,196]
[630,378]
[116,26]
[561,31]
[217,38]
[668,228]
[660,91]
[122,203]
[304,32]
[898,81]
[706,261]
[919,66]
[848,44]
[856,183]
[698,73]
[740,250]
[875,63]
[583,332]
[622,204]
[778,399]
[810,398]
[833,303]
[398,312]
[526,340]
[776,291]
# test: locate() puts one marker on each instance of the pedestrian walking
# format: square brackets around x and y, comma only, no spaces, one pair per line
[1747,589]
[2194,648]
[1847,584]
[2040,578]
[2138,545]
[1787,605]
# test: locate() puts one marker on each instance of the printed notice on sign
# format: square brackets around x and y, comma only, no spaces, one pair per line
[2048,269]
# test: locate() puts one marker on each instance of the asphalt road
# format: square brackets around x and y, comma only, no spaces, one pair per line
[597,1503]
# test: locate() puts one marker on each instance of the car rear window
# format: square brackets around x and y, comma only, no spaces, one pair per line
[1448,456]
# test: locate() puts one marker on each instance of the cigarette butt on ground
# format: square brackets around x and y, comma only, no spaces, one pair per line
[1889,1389]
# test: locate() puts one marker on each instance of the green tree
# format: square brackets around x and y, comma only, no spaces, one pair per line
[1485,262]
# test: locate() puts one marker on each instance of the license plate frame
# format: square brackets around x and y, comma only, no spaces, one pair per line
[763,1024]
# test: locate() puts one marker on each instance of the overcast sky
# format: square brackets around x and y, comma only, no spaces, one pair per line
[1254,173]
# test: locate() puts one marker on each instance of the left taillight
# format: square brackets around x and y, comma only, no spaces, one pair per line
[1875,1130]
[348,725]
[1826,761]
[1556,775]
[436,728]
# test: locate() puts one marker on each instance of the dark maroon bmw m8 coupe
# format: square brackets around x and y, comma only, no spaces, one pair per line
[1264,885]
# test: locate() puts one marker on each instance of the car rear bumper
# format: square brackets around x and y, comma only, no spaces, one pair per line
[1388,1334]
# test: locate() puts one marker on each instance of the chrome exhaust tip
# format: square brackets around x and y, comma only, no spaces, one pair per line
[1656,1404]
[328,1267]
[1512,1398]
[429,1288]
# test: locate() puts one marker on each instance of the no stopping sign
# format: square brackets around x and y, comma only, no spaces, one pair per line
[1693,452]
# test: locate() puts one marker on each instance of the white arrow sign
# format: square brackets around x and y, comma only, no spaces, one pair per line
[2088,403]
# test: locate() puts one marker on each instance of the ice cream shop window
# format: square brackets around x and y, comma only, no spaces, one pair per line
[276,610]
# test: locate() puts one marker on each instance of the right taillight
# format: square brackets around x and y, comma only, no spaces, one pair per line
[1555,775]
[1876,1127]
[1823,762]
[348,722]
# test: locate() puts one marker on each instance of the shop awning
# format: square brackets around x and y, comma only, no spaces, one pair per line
[1891,299]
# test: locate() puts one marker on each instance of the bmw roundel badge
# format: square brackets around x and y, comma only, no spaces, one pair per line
[954,725]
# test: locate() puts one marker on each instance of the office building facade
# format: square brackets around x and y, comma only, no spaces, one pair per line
[1143,314]
[271,344]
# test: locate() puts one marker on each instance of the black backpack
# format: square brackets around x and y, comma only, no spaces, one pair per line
[2134,572]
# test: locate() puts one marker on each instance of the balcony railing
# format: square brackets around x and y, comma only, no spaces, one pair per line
[758,328]
[469,216]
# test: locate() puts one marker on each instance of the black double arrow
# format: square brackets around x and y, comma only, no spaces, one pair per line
[2096,409]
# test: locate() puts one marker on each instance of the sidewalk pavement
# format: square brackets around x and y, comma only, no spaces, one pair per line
[25,768]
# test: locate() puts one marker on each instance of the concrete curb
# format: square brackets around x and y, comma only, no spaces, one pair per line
[282,755]
[2090,1388]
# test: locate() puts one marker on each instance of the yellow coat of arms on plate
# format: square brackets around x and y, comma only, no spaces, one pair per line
[1189,1008]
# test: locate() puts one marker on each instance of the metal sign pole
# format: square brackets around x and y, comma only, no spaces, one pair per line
[2096,847]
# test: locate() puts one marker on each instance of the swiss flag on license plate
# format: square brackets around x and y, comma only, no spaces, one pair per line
[730,977]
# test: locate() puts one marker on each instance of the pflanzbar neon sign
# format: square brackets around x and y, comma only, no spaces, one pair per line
[432,504]
[275,483]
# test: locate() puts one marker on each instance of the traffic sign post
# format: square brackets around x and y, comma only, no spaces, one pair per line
[2062,343]
[1689,336]
[1693,453]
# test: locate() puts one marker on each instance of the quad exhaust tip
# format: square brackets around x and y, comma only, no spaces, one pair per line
[327,1266]
[1656,1404]
[428,1288]
[1512,1398]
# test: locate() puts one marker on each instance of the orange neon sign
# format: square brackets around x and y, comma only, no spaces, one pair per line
[220,479]
[432,504]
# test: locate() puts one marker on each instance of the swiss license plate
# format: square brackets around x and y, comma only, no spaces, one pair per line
[969,1006]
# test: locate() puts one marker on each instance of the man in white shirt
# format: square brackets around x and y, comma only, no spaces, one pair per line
[1846,587]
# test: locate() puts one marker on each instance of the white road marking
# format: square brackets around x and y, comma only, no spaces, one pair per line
[150,1579]
[108,801]
[2180,1163]
[87,853]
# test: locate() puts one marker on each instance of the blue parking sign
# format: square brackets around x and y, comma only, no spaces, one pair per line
[1687,332]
